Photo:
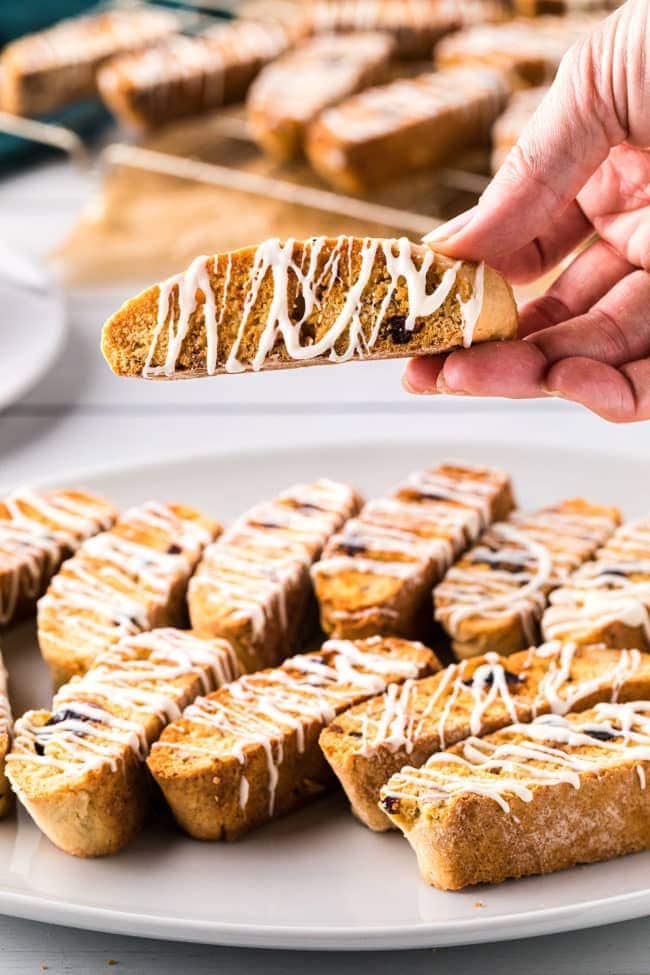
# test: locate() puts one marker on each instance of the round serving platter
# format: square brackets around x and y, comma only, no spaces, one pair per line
[316,879]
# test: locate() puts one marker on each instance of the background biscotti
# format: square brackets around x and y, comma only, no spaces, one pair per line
[38,531]
[121,582]
[376,576]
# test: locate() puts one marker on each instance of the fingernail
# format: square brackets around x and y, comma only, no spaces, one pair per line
[451,227]
[443,387]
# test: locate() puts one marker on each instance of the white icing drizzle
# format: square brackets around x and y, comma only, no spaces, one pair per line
[475,92]
[398,15]
[478,691]
[550,751]
[211,53]
[79,40]
[417,532]
[315,75]
[314,276]
[542,40]
[146,677]
[526,557]
[615,588]
[192,73]
[250,571]
[116,586]
[37,530]
[260,710]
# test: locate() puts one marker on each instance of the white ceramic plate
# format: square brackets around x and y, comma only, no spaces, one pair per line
[32,326]
[316,879]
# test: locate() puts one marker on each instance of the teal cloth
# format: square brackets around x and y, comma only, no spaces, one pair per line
[18,17]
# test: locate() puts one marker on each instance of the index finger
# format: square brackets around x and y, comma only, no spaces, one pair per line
[565,142]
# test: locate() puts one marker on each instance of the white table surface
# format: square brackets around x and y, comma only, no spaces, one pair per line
[81,416]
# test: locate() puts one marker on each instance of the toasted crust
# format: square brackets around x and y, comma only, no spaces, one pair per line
[376,576]
[502,807]
[608,599]
[252,587]
[368,743]
[247,754]
[493,598]
[185,75]
[328,68]
[38,531]
[367,314]
[79,769]
[46,70]
[412,124]
[121,582]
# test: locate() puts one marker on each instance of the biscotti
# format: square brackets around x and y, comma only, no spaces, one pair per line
[414,26]
[290,93]
[249,752]
[535,8]
[6,797]
[530,799]
[508,128]
[405,726]
[186,75]
[409,125]
[79,768]
[121,582]
[38,530]
[252,587]
[608,599]
[376,576]
[323,300]
[493,598]
[527,52]
[44,71]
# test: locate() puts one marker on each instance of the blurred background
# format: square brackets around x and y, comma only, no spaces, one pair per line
[135,136]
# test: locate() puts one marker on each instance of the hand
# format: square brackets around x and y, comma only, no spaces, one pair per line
[581,166]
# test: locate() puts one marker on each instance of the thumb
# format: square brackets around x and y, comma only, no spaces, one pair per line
[561,147]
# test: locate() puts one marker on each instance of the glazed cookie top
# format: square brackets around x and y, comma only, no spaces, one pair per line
[465,698]
[259,710]
[514,763]
[37,530]
[118,705]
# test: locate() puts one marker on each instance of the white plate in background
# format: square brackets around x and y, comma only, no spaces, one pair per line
[32,325]
[316,879]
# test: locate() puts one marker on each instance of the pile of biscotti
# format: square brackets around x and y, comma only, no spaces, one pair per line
[368,90]
[471,674]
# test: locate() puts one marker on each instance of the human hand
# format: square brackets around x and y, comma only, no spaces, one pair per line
[581,166]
